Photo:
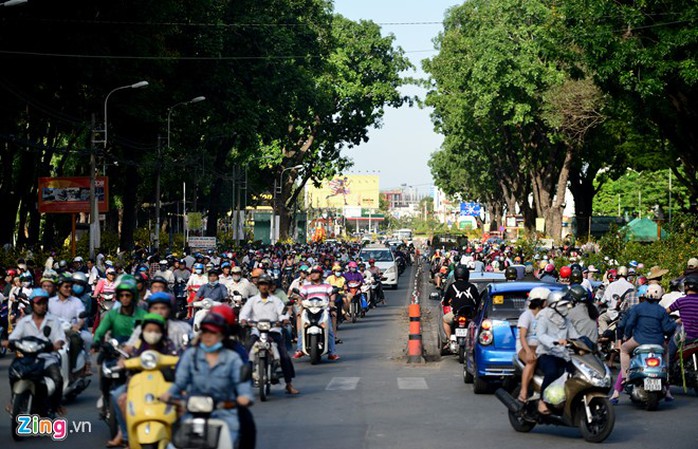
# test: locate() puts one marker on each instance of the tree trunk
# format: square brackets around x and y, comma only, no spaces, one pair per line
[554,212]
[130,204]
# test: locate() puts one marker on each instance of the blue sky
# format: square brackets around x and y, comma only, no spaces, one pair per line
[400,149]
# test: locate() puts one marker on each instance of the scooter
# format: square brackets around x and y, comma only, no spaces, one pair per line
[355,301]
[149,421]
[111,378]
[265,359]
[584,404]
[202,307]
[74,379]
[648,380]
[30,387]
[314,332]
[200,431]
[459,331]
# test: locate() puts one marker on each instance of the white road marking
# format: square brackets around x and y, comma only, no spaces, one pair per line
[412,383]
[343,383]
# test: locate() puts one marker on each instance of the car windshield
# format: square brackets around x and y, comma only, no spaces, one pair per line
[482,284]
[379,255]
[506,306]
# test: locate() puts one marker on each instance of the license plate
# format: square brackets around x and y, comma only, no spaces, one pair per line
[653,384]
[461,332]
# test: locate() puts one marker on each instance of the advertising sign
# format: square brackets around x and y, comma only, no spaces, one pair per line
[202,242]
[470,209]
[72,195]
[345,190]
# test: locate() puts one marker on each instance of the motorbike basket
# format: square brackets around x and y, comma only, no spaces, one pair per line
[186,438]
[29,368]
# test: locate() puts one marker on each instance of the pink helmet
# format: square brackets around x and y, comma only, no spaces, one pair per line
[549,268]
[352,264]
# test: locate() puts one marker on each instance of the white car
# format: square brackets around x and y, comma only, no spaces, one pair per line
[384,260]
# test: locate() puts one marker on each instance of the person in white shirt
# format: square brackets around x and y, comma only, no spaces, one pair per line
[165,273]
[267,307]
[674,293]
[239,284]
[69,308]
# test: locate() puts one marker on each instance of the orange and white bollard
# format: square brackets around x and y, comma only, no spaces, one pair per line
[414,344]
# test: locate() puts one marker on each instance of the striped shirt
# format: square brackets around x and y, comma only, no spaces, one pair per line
[688,306]
[323,291]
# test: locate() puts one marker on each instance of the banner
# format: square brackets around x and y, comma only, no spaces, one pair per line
[72,195]
[344,190]
[470,209]
[202,242]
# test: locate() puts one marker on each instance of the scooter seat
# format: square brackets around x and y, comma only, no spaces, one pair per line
[646,349]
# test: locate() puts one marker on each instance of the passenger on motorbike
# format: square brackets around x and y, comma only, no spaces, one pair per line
[459,294]
[33,325]
[528,339]
[69,308]
[583,313]
[165,273]
[337,279]
[162,304]
[268,307]
[238,284]
[377,274]
[688,308]
[209,369]
[553,329]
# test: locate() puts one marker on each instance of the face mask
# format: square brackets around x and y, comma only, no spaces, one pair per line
[337,273]
[152,337]
[352,269]
[564,310]
[213,348]
[236,277]
[198,271]
[213,284]
[78,289]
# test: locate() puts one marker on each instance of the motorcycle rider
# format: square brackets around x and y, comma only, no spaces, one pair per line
[196,280]
[528,339]
[687,306]
[588,275]
[336,279]
[82,291]
[460,293]
[165,273]
[210,369]
[48,283]
[239,284]
[162,303]
[646,323]
[377,274]
[268,307]
[350,276]
[553,329]
[69,308]
[213,289]
[33,325]
[622,288]
[583,314]
[121,321]
[316,288]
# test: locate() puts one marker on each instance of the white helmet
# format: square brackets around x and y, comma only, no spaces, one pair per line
[558,298]
[539,293]
[623,271]
[654,292]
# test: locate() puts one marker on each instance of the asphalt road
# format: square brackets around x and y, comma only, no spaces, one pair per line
[372,399]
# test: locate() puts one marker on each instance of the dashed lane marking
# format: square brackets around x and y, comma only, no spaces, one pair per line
[412,383]
[343,383]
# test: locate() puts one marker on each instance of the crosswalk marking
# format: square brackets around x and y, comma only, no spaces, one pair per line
[412,383]
[343,383]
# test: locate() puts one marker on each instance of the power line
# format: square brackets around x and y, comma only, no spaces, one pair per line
[212,24]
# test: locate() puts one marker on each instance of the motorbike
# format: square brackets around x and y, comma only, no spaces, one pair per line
[353,289]
[31,389]
[647,381]
[276,274]
[74,379]
[287,277]
[111,378]
[236,301]
[684,368]
[4,317]
[459,331]
[180,293]
[200,430]
[314,334]
[585,403]
[202,307]
[149,421]
[265,359]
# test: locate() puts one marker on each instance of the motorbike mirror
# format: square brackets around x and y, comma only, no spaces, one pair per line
[296,291]
[82,315]
[114,343]
[47,331]
[236,292]
[245,372]
[185,340]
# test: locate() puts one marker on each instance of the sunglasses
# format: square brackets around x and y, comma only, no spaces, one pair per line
[125,294]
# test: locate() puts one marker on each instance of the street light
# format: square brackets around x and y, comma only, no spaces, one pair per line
[13,2]
[157,182]
[94,221]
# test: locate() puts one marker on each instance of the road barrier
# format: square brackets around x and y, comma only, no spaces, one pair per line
[415,350]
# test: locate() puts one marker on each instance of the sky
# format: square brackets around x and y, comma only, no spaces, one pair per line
[401,148]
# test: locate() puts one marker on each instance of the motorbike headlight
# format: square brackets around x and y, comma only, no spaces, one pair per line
[593,377]
[149,360]
[264,326]
[200,404]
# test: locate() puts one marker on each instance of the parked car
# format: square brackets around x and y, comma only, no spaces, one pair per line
[490,345]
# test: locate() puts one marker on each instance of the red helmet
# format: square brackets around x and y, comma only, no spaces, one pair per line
[642,280]
[12,273]
[371,260]
[612,274]
[565,272]
[227,313]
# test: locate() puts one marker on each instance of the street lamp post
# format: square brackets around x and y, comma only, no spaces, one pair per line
[13,2]
[94,214]
[157,182]
[278,188]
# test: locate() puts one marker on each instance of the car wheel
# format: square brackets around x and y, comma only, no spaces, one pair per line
[467,377]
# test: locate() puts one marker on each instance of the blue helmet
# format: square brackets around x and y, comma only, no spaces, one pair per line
[160,298]
[38,294]
[225,264]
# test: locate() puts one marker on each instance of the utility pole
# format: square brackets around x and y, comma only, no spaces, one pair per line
[157,197]
[94,213]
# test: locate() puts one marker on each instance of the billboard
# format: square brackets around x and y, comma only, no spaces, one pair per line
[343,191]
[72,195]
[470,209]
